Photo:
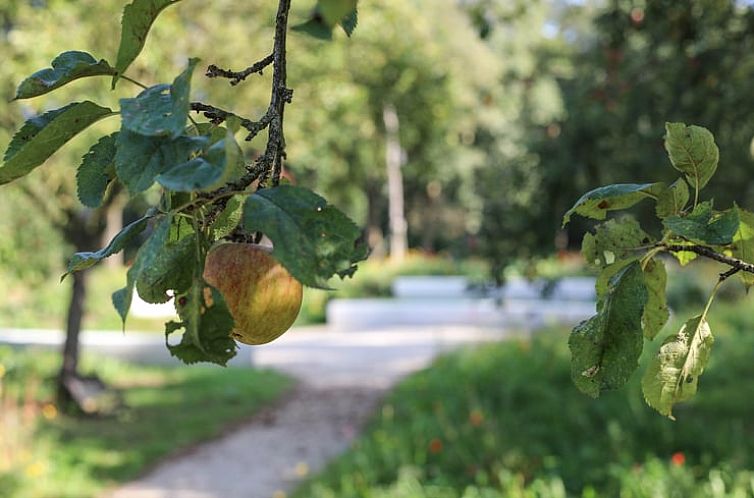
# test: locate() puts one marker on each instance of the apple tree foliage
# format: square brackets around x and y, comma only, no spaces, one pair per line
[631,304]
[208,191]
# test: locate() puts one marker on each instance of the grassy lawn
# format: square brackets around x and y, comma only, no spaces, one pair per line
[42,303]
[504,421]
[44,454]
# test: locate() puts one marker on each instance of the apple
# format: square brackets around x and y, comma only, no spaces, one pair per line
[262,296]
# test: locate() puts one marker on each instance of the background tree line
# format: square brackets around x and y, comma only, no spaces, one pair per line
[507,111]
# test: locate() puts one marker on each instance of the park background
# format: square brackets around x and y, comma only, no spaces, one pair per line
[507,112]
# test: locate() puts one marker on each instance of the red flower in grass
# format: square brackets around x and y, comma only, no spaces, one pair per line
[435,446]
[678,459]
[476,418]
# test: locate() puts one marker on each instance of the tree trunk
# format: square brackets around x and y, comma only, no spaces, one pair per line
[75,317]
[375,236]
[83,230]
[393,162]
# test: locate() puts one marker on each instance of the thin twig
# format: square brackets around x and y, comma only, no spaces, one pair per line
[217,116]
[237,77]
[726,275]
[270,163]
[280,96]
[734,263]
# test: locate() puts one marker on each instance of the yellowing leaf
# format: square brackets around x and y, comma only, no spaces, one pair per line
[656,312]
[596,203]
[673,375]
[743,243]
[612,240]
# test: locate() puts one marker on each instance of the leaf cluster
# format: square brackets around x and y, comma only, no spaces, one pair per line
[207,191]
[632,278]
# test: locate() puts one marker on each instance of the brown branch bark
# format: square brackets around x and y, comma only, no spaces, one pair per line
[217,116]
[270,163]
[735,263]
[237,77]
[280,96]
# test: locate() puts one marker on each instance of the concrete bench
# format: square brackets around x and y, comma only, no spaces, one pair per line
[411,287]
[358,314]
[364,314]
[426,287]
[565,289]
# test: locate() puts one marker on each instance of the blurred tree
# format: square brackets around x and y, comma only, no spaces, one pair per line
[425,60]
[65,224]
[514,212]
[645,64]
[589,91]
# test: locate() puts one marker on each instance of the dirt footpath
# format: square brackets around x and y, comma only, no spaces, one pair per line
[269,455]
[342,378]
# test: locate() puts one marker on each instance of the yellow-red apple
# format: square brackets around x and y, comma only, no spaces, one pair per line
[262,296]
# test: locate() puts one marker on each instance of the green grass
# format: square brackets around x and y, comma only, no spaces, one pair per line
[42,303]
[505,421]
[54,456]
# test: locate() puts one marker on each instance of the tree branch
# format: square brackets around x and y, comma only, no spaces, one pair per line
[270,163]
[281,95]
[735,263]
[217,116]
[237,77]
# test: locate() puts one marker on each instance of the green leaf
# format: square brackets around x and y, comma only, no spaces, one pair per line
[229,218]
[704,226]
[743,243]
[350,22]
[161,110]
[334,11]
[171,270]
[606,348]
[66,67]
[656,312]
[692,151]
[612,240]
[96,171]
[673,199]
[312,239]
[140,159]
[137,20]
[316,28]
[43,135]
[673,375]
[148,253]
[596,203]
[181,227]
[207,328]
[83,260]
[222,163]
[602,285]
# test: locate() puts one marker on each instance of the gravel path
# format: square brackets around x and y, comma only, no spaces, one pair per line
[270,454]
[342,378]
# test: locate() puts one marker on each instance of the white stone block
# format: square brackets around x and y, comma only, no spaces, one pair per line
[430,286]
